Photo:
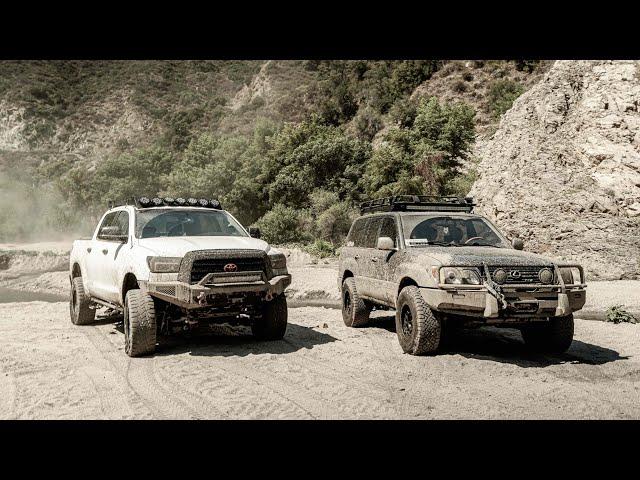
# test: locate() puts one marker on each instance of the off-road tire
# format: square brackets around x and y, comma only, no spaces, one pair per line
[139,324]
[355,311]
[554,336]
[273,324]
[80,304]
[425,330]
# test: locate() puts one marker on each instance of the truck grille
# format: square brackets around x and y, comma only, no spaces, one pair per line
[519,275]
[203,266]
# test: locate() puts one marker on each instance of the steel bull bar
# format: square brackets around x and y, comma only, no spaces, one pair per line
[490,299]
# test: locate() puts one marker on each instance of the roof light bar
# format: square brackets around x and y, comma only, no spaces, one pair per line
[146,202]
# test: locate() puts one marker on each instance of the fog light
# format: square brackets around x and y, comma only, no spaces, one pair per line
[545,275]
[500,276]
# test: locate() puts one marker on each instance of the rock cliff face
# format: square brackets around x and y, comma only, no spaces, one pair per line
[563,169]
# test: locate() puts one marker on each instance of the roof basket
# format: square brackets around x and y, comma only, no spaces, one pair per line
[418,203]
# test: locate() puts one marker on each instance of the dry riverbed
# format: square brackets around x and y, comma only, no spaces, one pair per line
[51,369]
[322,369]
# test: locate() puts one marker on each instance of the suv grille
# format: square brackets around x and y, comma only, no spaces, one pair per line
[202,267]
[519,275]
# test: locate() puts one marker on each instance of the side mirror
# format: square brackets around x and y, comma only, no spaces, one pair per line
[517,243]
[254,232]
[385,243]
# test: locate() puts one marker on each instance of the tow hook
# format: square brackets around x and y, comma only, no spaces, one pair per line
[268,297]
[201,298]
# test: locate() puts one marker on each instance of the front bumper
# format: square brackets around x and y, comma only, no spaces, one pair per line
[199,295]
[522,302]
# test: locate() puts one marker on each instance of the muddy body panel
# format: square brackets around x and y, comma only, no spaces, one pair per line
[512,285]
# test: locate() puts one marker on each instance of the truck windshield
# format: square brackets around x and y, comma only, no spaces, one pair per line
[421,230]
[186,223]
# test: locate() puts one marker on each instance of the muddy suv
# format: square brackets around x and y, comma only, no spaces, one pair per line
[440,265]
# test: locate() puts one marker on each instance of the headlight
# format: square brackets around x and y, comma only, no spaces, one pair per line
[570,275]
[278,261]
[164,264]
[459,276]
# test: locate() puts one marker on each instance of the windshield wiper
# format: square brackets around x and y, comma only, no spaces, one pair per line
[482,245]
[444,244]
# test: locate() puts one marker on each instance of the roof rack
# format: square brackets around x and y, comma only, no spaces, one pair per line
[148,202]
[418,203]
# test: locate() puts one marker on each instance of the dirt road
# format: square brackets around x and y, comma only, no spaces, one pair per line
[52,369]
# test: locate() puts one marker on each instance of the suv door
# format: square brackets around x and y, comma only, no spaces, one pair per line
[366,283]
[386,261]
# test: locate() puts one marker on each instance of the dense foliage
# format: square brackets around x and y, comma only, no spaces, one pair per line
[359,136]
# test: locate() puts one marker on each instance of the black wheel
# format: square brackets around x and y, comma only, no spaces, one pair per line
[80,304]
[418,328]
[139,324]
[554,336]
[273,324]
[355,311]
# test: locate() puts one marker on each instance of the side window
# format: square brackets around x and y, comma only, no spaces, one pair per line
[122,222]
[371,235]
[357,233]
[104,229]
[115,223]
[388,229]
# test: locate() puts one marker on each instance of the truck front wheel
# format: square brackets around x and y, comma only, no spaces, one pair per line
[418,328]
[555,336]
[139,324]
[80,304]
[273,323]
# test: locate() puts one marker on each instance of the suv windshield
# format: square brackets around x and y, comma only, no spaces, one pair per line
[183,222]
[450,231]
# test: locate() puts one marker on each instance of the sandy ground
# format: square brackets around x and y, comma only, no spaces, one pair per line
[322,369]
[50,369]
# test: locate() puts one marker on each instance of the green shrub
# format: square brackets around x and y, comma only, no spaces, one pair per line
[320,248]
[617,314]
[283,224]
[502,94]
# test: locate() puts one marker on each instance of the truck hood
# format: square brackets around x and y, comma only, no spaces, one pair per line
[476,256]
[178,246]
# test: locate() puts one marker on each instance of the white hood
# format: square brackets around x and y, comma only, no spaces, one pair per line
[178,246]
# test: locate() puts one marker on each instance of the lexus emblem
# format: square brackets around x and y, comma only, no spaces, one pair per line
[230,267]
[515,274]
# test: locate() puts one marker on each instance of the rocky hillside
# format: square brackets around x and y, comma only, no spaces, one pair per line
[563,169]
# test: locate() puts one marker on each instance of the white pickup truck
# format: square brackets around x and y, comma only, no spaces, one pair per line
[175,265]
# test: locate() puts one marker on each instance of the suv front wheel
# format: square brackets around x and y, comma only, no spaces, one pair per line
[419,330]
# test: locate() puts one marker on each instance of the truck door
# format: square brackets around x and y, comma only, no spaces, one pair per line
[105,249]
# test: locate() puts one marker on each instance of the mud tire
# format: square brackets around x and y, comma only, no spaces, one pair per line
[80,304]
[552,337]
[140,329]
[273,324]
[418,328]
[355,311]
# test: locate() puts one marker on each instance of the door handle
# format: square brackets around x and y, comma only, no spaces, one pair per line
[105,251]
[374,259]
[88,249]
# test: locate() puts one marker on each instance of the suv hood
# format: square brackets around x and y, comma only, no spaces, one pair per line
[178,246]
[476,256]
